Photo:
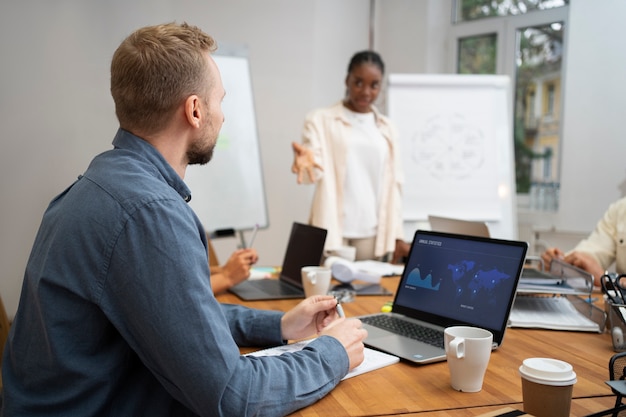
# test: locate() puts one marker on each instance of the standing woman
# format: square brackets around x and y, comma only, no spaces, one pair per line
[349,152]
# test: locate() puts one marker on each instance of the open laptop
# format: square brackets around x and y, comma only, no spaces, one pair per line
[458,226]
[305,247]
[478,228]
[450,280]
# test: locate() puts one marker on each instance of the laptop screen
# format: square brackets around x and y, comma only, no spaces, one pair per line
[450,279]
[304,248]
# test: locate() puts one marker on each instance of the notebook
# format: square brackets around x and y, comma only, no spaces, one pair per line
[305,247]
[450,280]
[373,359]
[457,226]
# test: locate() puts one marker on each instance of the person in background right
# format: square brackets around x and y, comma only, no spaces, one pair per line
[605,245]
[350,152]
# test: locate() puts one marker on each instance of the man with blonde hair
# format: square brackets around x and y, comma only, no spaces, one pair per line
[117,316]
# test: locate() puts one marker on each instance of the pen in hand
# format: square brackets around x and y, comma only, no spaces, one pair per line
[340,310]
[256,227]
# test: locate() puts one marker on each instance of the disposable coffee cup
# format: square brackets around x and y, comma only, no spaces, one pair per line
[547,387]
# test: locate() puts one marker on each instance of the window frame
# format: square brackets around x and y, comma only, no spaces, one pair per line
[505,28]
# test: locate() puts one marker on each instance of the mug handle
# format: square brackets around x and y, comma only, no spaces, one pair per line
[458,344]
[312,275]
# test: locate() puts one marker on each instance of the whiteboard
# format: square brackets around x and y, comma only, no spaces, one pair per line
[228,192]
[456,142]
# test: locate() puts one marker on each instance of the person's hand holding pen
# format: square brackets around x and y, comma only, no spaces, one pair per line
[319,314]
[340,311]
[238,266]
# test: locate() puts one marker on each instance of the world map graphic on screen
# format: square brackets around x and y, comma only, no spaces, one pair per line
[467,278]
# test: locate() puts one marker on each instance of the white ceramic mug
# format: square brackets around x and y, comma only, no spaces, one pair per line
[315,280]
[468,350]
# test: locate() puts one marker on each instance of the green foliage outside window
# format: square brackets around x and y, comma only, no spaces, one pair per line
[477,55]
[478,9]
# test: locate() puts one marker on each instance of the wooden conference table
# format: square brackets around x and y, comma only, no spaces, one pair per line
[404,389]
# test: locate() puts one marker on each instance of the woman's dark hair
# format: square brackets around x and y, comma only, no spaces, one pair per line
[366,57]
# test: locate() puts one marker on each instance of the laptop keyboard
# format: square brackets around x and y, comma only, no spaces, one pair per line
[407,329]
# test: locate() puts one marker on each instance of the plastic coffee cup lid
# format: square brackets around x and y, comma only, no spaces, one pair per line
[547,371]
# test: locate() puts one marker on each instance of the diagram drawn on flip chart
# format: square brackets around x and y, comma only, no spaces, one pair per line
[455,138]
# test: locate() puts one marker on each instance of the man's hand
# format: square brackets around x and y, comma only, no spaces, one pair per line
[351,335]
[309,317]
[318,315]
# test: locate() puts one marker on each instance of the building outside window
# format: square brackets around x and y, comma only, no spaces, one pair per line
[525,40]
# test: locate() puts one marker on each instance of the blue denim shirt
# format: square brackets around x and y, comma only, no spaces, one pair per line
[117,317]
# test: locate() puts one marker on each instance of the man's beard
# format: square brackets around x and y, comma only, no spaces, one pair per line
[197,155]
[198,158]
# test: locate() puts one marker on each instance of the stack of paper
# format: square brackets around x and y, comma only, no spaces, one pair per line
[554,285]
[383,269]
[556,313]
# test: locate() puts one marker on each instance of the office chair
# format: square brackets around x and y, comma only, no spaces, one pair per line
[617,382]
[4,335]
[213,261]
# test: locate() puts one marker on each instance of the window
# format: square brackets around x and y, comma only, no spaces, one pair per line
[531,116]
[479,9]
[550,99]
[477,55]
[525,40]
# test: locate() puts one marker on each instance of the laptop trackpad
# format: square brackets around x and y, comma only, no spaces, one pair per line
[404,347]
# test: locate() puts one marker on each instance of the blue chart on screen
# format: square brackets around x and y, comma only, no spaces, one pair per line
[415,279]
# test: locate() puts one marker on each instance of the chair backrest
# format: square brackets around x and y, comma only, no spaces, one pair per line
[213,261]
[617,366]
[4,333]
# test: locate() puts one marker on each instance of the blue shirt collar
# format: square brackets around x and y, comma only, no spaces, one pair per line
[127,141]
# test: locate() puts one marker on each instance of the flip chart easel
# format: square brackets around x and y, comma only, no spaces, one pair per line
[456,144]
[228,193]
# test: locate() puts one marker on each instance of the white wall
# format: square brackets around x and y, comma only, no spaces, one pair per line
[56,112]
[594,145]
[412,35]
